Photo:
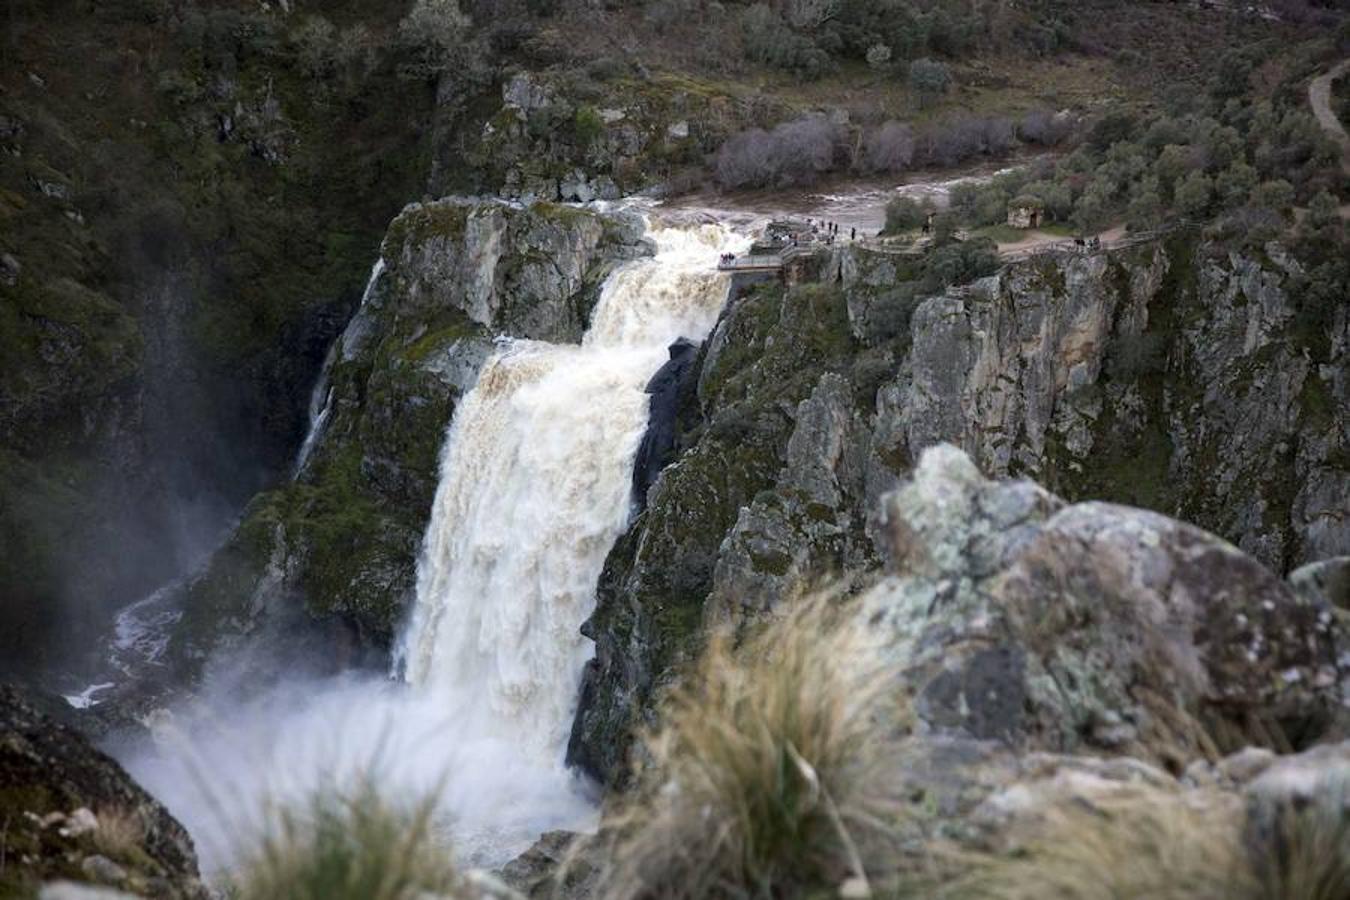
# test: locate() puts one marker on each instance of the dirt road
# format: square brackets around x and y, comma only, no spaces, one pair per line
[1319,95]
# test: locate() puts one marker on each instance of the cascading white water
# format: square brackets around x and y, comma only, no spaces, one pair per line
[535,481]
[534,492]
[321,398]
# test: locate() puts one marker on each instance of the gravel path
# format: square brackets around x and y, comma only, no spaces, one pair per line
[1319,95]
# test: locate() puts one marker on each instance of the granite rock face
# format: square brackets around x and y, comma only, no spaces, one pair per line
[528,272]
[1168,376]
[1165,376]
[1091,626]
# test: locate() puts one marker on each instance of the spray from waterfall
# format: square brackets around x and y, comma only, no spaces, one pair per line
[535,477]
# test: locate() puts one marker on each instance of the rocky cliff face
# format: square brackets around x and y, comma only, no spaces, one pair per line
[341,541]
[610,133]
[1170,376]
[174,261]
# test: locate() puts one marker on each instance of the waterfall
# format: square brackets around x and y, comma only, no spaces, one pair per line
[534,490]
[536,470]
[321,398]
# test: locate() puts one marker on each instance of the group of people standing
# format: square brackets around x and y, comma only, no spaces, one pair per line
[831,230]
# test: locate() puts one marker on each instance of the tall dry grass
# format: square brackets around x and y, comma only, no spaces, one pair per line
[1303,852]
[770,774]
[349,846]
[1146,844]
[1140,844]
[119,834]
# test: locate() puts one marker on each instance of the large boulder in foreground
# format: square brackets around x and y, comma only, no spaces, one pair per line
[68,811]
[1070,628]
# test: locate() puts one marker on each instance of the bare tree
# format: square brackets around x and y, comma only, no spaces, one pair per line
[808,14]
[795,152]
[890,148]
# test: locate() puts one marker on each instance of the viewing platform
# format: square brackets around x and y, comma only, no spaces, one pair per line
[757,262]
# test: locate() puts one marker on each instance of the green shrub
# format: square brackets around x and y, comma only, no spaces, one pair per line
[929,79]
[959,262]
[904,214]
[434,37]
[1194,194]
[588,125]
[768,40]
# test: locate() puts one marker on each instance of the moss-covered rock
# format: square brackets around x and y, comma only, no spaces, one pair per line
[1014,616]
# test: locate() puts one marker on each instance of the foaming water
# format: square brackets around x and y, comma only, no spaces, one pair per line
[535,478]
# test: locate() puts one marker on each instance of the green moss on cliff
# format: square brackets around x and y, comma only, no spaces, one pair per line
[422,224]
[770,350]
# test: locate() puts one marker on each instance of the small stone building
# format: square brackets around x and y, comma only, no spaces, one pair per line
[1025,212]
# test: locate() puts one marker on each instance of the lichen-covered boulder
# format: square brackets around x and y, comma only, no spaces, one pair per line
[1014,616]
[71,812]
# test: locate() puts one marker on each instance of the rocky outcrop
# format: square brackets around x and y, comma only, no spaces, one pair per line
[766,490]
[71,812]
[530,272]
[1170,376]
[1015,616]
[341,541]
[550,139]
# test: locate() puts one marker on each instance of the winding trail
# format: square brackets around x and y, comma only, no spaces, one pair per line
[1319,95]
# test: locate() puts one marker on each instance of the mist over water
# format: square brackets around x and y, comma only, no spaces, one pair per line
[535,478]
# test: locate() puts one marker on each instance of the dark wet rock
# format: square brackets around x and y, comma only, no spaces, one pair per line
[73,813]
[667,387]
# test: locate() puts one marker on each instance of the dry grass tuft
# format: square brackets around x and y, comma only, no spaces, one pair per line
[119,834]
[769,773]
[356,846]
[1137,844]
[1145,844]
[1304,851]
